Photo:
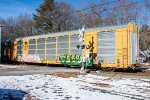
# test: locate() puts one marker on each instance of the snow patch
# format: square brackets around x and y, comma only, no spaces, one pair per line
[83,87]
[2,66]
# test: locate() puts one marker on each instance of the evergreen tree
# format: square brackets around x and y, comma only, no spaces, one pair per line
[44,14]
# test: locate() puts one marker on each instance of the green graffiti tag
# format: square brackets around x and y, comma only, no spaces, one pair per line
[74,60]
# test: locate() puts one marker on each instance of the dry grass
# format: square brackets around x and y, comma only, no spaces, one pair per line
[68,74]
[29,97]
[101,85]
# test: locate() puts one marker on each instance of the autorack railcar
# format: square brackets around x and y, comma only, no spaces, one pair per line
[106,47]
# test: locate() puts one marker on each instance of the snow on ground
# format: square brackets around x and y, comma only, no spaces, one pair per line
[6,66]
[83,87]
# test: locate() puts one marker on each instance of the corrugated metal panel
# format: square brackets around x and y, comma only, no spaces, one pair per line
[32,47]
[32,42]
[133,47]
[74,41]
[40,51]
[51,49]
[106,50]
[41,56]
[62,51]
[51,46]
[107,47]
[51,40]
[19,48]
[107,59]
[31,52]
[51,57]
[41,48]
[63,45]
[40,41]
[76,51]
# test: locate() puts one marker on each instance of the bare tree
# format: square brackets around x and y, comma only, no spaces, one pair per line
[25,24]
[147,3]
[62,20]
[17,27]
[144,37]
[53,17]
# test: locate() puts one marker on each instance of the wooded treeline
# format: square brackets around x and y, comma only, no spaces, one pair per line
[54,16]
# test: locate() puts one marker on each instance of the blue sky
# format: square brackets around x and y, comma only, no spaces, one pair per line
[13,8]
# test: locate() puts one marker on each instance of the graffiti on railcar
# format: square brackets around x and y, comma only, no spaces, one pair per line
[29,58]
[75,60]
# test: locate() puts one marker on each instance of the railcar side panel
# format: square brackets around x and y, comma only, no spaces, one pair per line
[122,47]
[115,47]
[90,41]
[51,48]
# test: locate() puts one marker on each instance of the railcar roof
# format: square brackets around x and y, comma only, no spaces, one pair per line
[74,32]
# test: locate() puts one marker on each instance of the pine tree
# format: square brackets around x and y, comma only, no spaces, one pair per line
[44,15]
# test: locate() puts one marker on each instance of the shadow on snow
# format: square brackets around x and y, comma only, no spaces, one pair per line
[12,94]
